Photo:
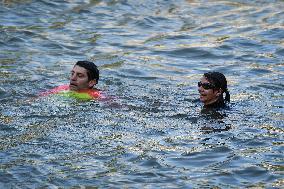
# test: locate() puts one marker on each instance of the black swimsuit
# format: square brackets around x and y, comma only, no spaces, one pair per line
[216,105]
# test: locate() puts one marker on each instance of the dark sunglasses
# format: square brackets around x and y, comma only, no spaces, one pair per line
[206,86]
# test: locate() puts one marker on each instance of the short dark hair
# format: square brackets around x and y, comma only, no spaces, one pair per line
[92,70]
[219,81]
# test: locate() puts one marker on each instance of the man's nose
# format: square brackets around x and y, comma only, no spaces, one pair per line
[73,77]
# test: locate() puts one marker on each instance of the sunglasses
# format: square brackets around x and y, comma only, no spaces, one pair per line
[206,86]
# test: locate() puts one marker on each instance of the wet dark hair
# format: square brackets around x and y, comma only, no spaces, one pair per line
[219,81]
[92,70]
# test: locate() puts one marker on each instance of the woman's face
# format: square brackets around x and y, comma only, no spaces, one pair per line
[208,95]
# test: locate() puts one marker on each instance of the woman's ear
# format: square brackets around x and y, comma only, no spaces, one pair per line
[219,92]
[92,83]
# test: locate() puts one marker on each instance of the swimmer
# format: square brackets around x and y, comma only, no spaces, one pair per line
[84,76]
[211,88]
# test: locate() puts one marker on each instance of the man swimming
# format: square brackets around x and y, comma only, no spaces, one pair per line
[84,76]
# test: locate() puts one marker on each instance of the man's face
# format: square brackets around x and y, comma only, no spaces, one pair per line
[79,79]
[208,95]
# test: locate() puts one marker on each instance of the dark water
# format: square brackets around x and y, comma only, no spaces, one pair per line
[151,55]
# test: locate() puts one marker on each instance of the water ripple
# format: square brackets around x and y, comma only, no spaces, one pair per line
[152,131]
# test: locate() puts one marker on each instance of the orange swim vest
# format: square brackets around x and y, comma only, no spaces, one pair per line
[81,94]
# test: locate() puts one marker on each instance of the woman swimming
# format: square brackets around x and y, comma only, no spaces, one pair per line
[211,88]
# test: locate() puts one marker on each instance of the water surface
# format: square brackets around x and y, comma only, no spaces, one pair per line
[151,54]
